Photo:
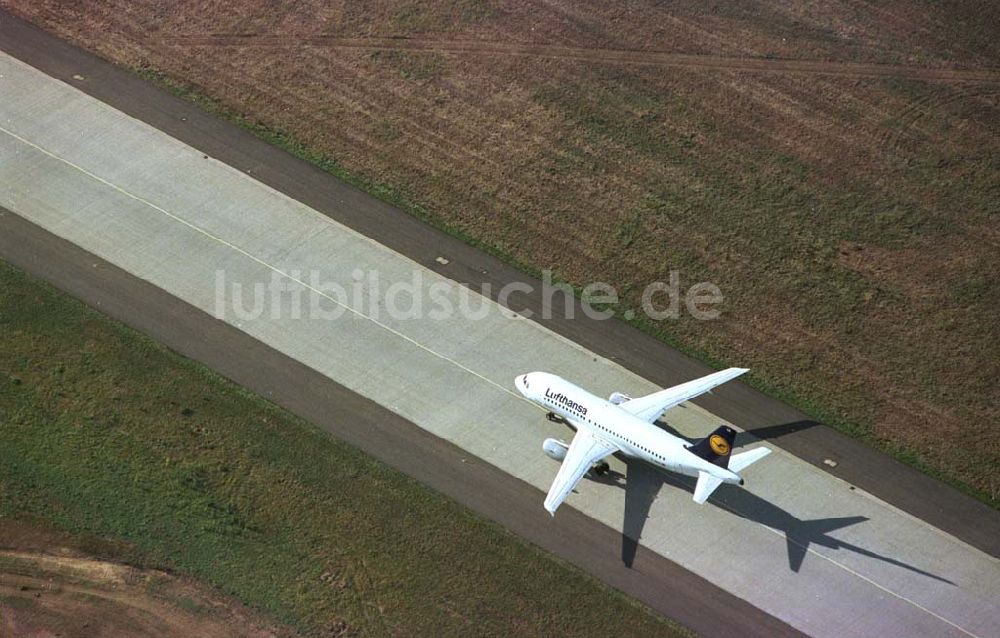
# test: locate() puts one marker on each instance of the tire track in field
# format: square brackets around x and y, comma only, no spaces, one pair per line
[605,56]
[894,135]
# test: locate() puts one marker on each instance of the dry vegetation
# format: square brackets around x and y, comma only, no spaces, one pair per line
[851,221]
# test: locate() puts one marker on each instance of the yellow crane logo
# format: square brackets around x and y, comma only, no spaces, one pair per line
[719,445]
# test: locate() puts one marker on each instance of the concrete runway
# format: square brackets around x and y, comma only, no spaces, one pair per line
[807,547]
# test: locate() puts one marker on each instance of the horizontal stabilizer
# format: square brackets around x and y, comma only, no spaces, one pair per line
[706,485]
[738,462]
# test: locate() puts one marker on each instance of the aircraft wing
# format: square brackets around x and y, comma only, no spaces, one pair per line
[651,406]
[585,450]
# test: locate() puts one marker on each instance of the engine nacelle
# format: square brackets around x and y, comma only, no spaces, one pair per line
[554,449]
[617,398]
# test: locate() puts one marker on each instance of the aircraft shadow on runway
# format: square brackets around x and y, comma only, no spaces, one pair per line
[767,432]
[643,483]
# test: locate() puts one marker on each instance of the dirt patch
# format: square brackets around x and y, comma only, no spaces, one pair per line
[49,588]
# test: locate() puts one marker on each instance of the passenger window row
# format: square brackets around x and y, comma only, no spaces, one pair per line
[632,443]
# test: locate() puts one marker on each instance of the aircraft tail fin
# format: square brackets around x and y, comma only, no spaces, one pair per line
[707,483]
[715,447]
[705,486]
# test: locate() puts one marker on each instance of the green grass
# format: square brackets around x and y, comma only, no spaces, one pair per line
[17,602]
[106,433]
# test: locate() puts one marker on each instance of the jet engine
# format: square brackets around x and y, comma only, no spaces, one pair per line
[554,449]
[617,398]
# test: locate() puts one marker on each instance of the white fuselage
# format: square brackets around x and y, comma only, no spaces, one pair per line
[633,436]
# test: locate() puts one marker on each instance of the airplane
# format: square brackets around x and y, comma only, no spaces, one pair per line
[623,425]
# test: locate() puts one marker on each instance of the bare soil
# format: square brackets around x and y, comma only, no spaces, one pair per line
[50,587]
